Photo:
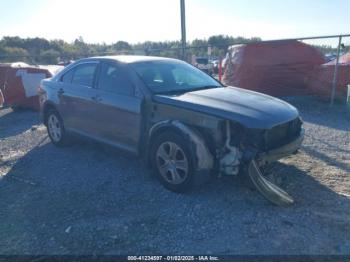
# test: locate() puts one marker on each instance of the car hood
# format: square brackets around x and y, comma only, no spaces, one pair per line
[251,109]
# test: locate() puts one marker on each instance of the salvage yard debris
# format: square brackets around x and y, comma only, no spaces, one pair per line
[19,83]
[285,68]
[320,79]
[275,68]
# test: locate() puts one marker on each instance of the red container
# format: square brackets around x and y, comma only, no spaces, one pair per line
[18,85]
[277,68]
[320,81]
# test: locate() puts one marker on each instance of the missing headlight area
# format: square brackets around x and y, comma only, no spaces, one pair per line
[233,158]
[230,156]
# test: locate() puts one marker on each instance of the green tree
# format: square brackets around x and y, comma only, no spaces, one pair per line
[49,57]
[40,50]
[13,41]
[81,47]
[36,45]
[14,54]
[122,46]
[199,47]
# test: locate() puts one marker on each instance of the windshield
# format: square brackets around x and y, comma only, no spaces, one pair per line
[173,76]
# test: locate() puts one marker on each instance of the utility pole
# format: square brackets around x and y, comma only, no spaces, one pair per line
[335,76]
[183,28]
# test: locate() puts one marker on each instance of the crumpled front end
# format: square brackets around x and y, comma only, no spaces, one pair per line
[250,149]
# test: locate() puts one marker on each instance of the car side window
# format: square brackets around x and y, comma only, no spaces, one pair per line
[113,79]
[84,74]
[67,77]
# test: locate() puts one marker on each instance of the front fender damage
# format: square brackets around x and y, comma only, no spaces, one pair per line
[234,158]
[231,159]
[204,159]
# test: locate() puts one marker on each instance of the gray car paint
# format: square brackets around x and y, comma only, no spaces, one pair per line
[104,116]
[122,121]
[251,109]
[131,122]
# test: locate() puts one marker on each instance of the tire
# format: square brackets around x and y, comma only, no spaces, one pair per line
[173,162]
[55,129]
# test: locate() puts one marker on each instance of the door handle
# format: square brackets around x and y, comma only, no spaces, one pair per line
[60,91]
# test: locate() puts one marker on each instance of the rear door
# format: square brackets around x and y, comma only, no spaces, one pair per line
[118,109]
[77,98]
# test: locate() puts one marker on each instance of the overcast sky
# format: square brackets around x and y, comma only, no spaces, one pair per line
[157,20]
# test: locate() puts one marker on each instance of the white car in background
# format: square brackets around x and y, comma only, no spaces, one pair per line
[203,64]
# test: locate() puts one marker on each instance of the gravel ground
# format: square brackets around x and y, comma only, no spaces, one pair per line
[88,199]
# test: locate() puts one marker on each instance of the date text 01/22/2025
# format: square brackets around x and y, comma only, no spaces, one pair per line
[173,258]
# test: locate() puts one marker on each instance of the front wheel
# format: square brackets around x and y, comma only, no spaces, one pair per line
[172,161]
[55,129]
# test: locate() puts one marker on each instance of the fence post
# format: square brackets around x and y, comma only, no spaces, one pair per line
[335,77]
[220,69]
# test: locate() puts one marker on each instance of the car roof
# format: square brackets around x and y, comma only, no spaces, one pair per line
[128,59]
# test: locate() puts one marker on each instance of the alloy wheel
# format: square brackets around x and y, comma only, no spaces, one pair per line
[172,163]
[54,127]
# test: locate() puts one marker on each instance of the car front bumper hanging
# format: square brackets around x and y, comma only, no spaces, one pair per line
[269,190]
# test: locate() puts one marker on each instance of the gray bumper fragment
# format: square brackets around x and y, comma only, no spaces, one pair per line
[269,190]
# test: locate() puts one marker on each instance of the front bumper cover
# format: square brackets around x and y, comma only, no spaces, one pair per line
[283,151]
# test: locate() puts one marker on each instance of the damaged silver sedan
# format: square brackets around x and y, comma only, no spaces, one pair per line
[181,121]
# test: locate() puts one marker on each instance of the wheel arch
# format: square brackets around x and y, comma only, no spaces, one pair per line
[204,158]
[48,106]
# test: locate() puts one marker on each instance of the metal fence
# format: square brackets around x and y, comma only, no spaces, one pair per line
[330,45]
[340,41]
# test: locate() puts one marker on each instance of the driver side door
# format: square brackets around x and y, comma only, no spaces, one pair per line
[117,108]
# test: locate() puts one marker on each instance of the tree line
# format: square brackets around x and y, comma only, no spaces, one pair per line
[42,51]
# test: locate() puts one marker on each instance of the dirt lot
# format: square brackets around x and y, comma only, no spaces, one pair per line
[87,199]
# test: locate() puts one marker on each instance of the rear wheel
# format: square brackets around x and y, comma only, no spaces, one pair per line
[172,161]
[55,129]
